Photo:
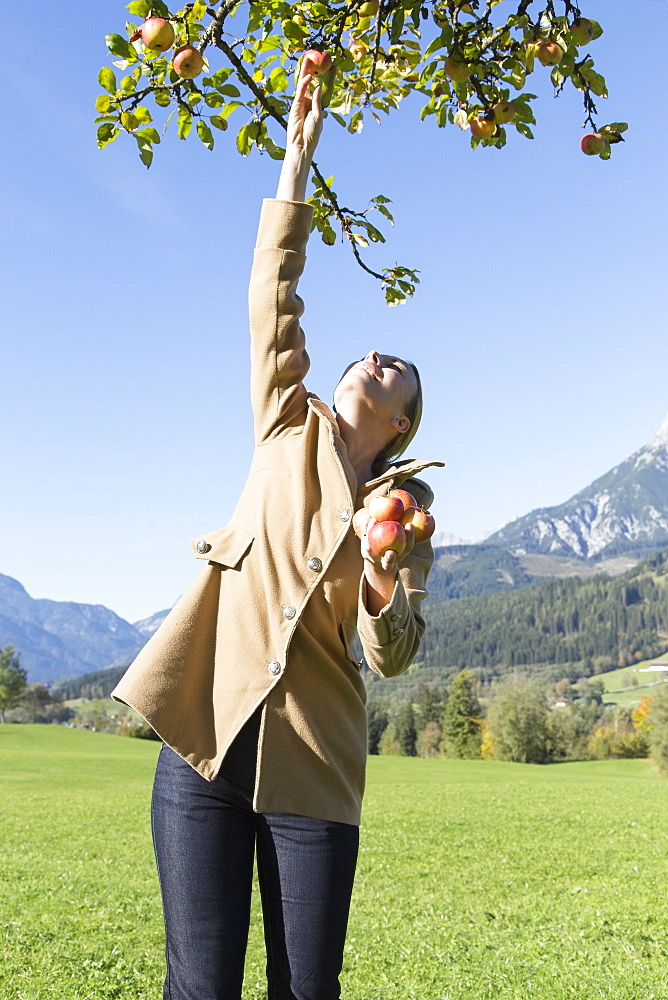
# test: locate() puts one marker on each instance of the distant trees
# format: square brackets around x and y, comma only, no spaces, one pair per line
[657,720]
[519,722]
[13,680]
[462,731]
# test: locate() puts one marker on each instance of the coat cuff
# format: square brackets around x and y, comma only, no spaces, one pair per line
[391,622]
[284,225]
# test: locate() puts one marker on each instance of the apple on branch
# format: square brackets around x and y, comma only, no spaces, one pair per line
[482,128]
[188,62]
[157,34]
[593,144]
[549,53]
[316,62]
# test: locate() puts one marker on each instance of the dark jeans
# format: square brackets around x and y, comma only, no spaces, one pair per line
[205,836]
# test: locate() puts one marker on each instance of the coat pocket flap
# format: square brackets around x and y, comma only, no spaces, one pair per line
[226,546]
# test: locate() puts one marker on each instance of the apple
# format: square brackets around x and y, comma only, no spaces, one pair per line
[408,514]
[407,499]
[317,62]
[482,128]
[458,71]
[582,31]
[157,34]
[357,50]
[549,53]
[369,9]
[386,508]
[592,144]
[503,112]
[386,535]
[360,518]
[188,62]
[424,525]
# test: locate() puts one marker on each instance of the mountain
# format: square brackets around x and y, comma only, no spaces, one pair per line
[63,638]
[624,511]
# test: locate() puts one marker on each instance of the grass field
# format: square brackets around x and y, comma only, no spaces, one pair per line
[477,880]
[615,681]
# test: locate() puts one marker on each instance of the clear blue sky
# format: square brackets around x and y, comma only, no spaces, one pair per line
[539,327]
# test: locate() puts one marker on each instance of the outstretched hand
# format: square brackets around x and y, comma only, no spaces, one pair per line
[381,571]
[304,128]
[305,121]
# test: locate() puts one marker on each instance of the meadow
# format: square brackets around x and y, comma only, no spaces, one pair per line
[477,880]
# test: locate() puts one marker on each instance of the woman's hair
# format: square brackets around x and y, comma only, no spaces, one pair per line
[400,442]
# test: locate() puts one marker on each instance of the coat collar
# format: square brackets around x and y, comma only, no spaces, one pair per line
[395,474]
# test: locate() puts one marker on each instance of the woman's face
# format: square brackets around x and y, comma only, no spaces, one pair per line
[382,384]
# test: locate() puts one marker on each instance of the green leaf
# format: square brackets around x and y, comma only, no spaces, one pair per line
[129,121]
[205,134]
[107,79]
[244,139]
[386,212]
[374,234]
[598,30]
[162,98]
[102,103]
[214,99]
[128,85]
[218,122]
[229,90]
[145,150]
[143,115]
[218,78]
[119,46]
[279,79]
[140,8]
[328,236]
[397,26]
[149,134]
[229,108]
[107,133]
[184,126]
[523,129]
[294,31]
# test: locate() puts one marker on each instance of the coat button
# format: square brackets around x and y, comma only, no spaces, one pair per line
[395,618]
[289,612]
[315,564]
[203,546]
[344,515]
[274,667]
[398,631]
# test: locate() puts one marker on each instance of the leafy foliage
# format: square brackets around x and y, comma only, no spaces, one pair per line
[463,60]
[13,679]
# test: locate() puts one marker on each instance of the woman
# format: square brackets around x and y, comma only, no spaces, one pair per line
[251,681]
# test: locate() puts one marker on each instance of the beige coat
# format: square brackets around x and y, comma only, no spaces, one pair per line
[273,615]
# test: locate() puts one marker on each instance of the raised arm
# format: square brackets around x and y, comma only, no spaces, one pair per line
[279,361]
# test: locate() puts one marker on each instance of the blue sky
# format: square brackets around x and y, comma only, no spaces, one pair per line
[539,326]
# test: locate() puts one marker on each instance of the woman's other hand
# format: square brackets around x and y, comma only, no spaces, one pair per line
[304,128]
[381,571]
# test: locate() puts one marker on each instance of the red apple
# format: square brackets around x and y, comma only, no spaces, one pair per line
[457,70]
[317,62]
[386,535]
[482,128]
[360,518]
[408,515]
[549,53]
[582,31]
[424,525]
[386,508]
[188,62]
[504,112]
[407,499]
[157,34]
[592,144]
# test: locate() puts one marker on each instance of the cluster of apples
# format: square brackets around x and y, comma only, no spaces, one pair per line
[390,515]
[158,35]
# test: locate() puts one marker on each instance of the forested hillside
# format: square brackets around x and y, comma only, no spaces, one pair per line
[583,626]
[99,684]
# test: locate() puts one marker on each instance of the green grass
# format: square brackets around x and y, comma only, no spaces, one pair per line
[618,694]
[477,880]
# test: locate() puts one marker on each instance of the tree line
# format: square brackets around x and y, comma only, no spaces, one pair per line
[581,626]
